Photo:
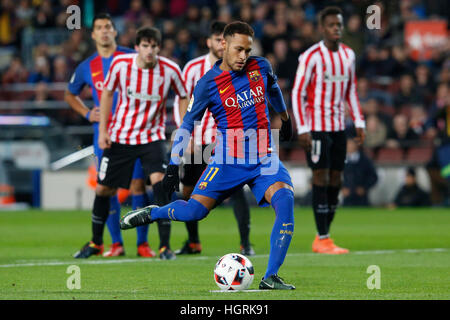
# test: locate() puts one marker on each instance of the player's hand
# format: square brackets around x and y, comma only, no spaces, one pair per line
[286,130]
[305,141]
[94,115]
[171,180]
[360,136]
[104,140]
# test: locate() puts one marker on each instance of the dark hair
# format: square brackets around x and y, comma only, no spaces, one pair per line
[238,27]
[103,15]
[217,28]
[149,34]
[328,11]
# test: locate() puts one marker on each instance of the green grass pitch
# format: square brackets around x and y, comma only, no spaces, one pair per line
[410,246]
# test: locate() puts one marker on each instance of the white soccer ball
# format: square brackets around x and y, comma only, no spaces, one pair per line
[233,272]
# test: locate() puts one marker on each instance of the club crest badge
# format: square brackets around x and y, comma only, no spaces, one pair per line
[203,185]
[254,75]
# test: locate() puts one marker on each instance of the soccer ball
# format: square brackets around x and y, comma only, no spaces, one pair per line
[233,272]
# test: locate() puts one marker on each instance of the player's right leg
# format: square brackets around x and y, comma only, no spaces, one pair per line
[115,171]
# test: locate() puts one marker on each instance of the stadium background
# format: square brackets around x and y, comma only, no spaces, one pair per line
[403,74]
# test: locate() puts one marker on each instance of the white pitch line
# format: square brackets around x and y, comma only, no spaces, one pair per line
[43,263]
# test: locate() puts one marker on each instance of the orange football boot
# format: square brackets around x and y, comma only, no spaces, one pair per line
[144,250]
[327,246]
[115,250]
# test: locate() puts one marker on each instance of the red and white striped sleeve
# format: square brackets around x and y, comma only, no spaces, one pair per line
[298,94]
[189,80]
[177,82]
[352,96]
[112,78]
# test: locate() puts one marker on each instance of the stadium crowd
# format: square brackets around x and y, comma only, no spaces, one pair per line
[398,94]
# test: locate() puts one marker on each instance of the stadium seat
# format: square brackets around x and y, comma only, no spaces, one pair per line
[419,155]
[390,156]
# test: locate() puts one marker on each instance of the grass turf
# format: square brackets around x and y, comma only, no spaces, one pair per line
[36,248]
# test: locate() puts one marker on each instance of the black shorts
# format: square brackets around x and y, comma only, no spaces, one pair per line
[117,164]
[192,171]
[328,150]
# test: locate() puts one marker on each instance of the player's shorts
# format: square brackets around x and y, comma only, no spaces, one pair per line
[328,150]
[219,181]
[118,162]
[138,173]
[192,171]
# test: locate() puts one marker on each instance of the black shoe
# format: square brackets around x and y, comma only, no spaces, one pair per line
[247,250]
[89,249]
[166,254]
[190,248]
[274,282]
[137,218]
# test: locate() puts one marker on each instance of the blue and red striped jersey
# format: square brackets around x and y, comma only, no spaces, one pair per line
[92,72]
[238,101]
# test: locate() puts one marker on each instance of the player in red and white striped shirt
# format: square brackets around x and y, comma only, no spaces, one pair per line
[203,136]
[324,82]
[136,131]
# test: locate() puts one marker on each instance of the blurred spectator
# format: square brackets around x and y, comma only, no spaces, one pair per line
[372,107]
[352,36]
[135,13]
[25,12]
[41,71]
[44,17]
[376,133]
[8,23]
[60,72]
[185,49]
[401,136]
[177,7]
[407,95]
[410,194]
[403,63]
[41,94]
[424,82]
[417,119]
[365,93]
[15,73]
[359,176]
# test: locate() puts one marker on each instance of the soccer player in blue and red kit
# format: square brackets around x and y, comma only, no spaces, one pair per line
[92,72]
[235,92]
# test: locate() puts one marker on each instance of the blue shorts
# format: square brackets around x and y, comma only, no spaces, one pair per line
[219,181]
[138,172]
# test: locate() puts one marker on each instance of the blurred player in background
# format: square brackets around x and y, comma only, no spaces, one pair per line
[203,137]
[325,80]
[136,130]
[92,72]
[235,91]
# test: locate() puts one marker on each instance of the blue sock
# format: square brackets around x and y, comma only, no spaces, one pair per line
[181,210]
[113,220]
[140,201]
[282,231]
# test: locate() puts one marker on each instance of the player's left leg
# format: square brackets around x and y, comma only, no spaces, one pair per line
[274,186]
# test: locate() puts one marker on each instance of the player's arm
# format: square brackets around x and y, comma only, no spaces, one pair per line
[298,94]
[71,96]
[355,108]
[276,99]
[106,101]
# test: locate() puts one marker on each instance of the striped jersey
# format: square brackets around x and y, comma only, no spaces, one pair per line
[324,81]
[192,72]
[237,101]
[141,112]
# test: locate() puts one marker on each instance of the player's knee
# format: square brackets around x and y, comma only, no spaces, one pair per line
[198,211]
[320,177]
[335,178]
[137,186]
[105,191]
